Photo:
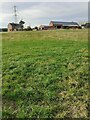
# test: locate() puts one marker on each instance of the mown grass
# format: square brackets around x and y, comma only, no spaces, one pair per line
[45,74]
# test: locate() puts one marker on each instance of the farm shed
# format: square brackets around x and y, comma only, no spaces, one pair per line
[15,26]
[59,25]
[86,25]
[44,27]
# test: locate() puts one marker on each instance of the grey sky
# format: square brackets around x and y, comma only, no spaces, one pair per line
[36,13]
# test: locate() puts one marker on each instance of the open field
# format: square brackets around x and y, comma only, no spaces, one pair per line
[45,74]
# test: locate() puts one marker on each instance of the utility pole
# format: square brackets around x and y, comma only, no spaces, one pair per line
[15,14]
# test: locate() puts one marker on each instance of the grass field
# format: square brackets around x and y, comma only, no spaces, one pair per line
[45,74]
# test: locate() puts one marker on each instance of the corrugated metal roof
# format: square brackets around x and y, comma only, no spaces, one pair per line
[65,23]
[15,25]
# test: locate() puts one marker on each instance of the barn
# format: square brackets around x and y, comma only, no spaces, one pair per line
[59,25]
[44,27]
[86,25]
[15,26]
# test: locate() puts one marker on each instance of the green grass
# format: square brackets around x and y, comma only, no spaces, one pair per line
[45,74]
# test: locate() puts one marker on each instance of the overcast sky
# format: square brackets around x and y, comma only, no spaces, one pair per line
[37,13]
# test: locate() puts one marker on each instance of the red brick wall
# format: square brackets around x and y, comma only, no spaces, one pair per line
[51,24]
[9,28]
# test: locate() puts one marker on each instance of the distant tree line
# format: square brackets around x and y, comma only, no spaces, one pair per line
[30,29]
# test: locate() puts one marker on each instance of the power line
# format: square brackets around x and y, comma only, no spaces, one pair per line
[18,15]
[23,17]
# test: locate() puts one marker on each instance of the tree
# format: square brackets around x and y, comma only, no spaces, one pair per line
[29,28]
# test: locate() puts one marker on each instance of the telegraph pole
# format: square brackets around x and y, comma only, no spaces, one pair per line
[15,13]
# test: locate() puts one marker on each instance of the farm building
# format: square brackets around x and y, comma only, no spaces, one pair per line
[44,27]
[58,24]
[15,26]
[86,25]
